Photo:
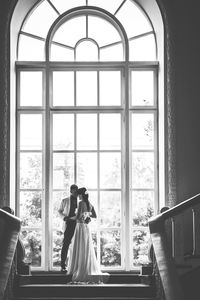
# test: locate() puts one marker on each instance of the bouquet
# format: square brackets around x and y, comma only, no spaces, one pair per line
[86,217]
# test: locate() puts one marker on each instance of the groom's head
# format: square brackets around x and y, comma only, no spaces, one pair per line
[74,190]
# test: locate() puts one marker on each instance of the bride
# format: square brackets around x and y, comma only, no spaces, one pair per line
[83,265]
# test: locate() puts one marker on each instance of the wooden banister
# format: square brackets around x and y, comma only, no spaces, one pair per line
[175,234]
[179,208]
[9,231]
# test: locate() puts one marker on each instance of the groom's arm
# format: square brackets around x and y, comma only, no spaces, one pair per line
[61,210]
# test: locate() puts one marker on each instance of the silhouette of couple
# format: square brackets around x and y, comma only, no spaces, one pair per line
[82,264]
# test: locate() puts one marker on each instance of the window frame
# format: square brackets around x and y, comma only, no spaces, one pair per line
[126,66]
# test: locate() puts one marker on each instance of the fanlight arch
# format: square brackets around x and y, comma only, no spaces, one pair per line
[87,23]
[127,27]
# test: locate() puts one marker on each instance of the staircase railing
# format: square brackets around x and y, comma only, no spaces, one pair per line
[9,231]
[175,236]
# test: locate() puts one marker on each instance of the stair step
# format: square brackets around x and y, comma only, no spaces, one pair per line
[62,279]
[78,298]
[73,291]
[55,286]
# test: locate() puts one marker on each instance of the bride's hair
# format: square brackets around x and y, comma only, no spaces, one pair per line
[83,191]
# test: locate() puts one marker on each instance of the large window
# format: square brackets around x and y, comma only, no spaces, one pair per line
[87,113]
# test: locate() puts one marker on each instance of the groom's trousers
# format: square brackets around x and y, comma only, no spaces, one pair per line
[68,234]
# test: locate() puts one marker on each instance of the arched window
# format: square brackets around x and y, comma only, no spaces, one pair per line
[87,113]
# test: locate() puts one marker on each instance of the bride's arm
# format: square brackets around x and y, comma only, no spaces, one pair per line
[93,213]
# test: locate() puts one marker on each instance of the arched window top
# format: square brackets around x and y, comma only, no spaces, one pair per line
[120,29]
[90,26]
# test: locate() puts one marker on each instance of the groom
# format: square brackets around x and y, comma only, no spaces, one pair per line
[67,212]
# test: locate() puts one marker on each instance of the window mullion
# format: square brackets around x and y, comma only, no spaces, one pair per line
[98,186]
[126,155]
[98,174]
[48,167]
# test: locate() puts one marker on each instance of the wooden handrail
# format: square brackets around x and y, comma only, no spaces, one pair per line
[179,208]
[163,253]
[9,231]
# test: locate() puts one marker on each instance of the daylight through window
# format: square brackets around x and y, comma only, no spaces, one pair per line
[87,113]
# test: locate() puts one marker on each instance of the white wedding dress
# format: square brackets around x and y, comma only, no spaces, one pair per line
[83,265]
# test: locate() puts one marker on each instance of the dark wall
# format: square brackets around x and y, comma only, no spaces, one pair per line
[183,17]
[5,14]
[187,96]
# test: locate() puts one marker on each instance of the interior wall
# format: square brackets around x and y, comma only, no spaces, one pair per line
[186,28]
[5,14]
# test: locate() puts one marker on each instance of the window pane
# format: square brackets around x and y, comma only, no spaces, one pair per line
[102,31]
[142,87]
[93,200]
[63,88]
[110,6]
[32,241]
[133,19]
[40,20]
[87,170]
[137,48]
[30,208]
[63,170]
[58,226]
[142,207]
[57,198]
[110,248]
[59,53]
[57,246]
[31,88]
[110,170]
[30,170]
[30,49]
[110,87]
[110,131]
[63,5]
[86,131]
[142,170]
[87,51]
[63,131]
[140,246]
[30,132]
[86,86]
[142,131]
[94,221]
[110,209]
[71,31]
[112,53]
